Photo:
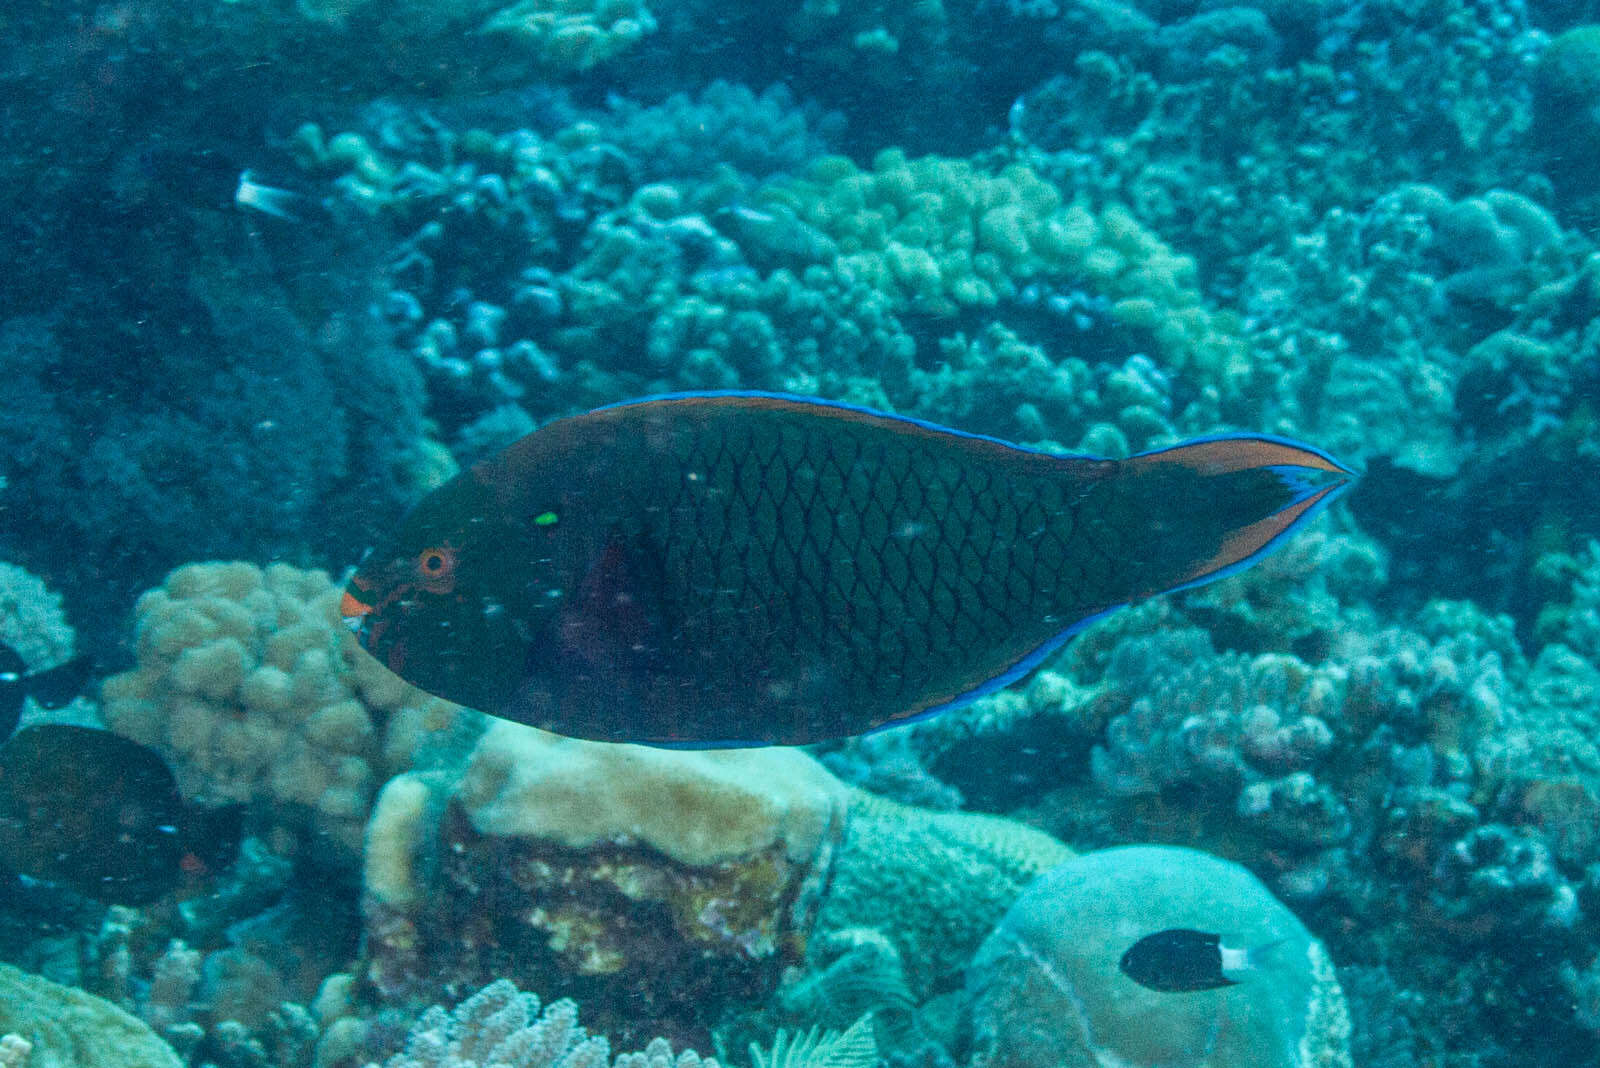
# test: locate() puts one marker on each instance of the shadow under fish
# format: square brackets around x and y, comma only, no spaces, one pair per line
[102,815]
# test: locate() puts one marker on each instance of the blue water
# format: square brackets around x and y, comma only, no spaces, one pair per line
[278,269]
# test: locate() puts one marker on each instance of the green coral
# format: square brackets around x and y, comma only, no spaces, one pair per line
[68,1028]
[574,35]
[942,235]
[949,875]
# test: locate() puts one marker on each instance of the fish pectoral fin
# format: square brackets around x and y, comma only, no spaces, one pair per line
[615,619]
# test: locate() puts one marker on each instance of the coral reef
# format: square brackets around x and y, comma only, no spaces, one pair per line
[252,689]
[940,235]
[573,35]
[62,1027]
[676,882]
[1049,992]
[667,881]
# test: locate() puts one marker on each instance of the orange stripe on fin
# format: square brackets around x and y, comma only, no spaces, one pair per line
[1240,547]
[1220,456]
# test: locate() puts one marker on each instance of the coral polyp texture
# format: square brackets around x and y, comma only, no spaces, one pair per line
[252,689]
[48,1025]
[942,235]
[1048,989]
[573,35]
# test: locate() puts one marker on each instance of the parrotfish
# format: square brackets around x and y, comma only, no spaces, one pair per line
[101,814]
[1181,960]
[712,569]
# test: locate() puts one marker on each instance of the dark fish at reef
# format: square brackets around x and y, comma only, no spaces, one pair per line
[753,569]
[51,688]
[102,815]
[1181,960]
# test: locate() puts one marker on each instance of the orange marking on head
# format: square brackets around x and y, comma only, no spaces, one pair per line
[350,607]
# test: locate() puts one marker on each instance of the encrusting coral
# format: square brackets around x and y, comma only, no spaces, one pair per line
[249,686]
[49,1025]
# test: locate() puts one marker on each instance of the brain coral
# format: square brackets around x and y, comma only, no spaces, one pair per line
[1049,992]
[251,688]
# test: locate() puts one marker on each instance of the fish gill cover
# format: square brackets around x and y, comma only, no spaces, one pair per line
[289,267]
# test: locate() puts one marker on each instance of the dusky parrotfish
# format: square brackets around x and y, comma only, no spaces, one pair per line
[101,814]
[714,569]
[1181,961]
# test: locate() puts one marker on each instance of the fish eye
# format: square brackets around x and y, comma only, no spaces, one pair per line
[436,567]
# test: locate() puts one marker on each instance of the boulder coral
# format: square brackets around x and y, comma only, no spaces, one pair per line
[249,686]
[1048,989]
[667,881]
[675,883]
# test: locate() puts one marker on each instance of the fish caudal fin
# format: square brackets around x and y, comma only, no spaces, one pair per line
[269,200]
[1238,499]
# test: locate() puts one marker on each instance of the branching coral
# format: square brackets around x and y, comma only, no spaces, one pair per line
[573,35]
[500,1025]
[941,235]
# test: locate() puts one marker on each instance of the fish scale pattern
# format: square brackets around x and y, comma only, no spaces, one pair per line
[907,568]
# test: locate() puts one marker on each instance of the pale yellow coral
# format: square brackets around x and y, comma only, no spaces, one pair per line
[573,35]
[699,808]
[942,234]
[248,683]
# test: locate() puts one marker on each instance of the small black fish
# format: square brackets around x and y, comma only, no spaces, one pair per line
[102,815]
[52,687]
[1180,960]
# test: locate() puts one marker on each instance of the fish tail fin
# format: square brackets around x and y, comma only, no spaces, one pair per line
[1237,963]
[269,200]
[1238,498]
